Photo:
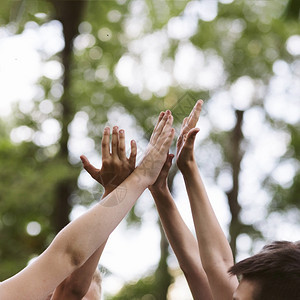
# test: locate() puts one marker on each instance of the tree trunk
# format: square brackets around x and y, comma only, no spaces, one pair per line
[163,277]
[235,155]
[69,13]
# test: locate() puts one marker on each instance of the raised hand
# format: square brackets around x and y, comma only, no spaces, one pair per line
[79,240]
[115,165]
[161,181]
[157,149]
[186,139]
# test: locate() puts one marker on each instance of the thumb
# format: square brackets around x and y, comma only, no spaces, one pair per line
[168,163]
[169,160]
[191,136]
[89,167]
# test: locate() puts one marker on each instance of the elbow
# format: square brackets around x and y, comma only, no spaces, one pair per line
[212,267]
[66,253]
[191,270]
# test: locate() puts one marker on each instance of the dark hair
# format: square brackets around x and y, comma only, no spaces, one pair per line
[276,270]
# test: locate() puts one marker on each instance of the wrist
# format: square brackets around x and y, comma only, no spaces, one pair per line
[188,167]
[140,176]
[158,190]
[163,198]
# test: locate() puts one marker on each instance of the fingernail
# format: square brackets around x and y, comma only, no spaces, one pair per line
[121,131]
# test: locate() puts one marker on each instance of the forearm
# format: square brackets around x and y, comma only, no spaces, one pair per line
[77,284]
[183,243]
[215,252]
[181,239]
[81,238]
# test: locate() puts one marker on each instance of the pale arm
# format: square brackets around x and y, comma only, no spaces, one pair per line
[82,237]
[73,245]
[77,284]
[116,167]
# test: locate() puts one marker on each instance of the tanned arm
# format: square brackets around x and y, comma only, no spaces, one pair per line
[215,252]
[180,237]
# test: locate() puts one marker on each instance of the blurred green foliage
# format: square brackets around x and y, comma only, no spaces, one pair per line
[247,37]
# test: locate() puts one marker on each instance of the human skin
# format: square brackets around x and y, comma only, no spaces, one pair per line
[73,245]
[215,252]
[116,167]
[180,237]
[246,290]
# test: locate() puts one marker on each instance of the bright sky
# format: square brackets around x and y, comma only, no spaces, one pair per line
[22,62]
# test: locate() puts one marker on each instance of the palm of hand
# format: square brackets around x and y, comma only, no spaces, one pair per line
[184,151]
[161,181]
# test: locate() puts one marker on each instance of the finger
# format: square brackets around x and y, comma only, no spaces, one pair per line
[161,115]
[170,158]
[168,162]
[167,165]
[167,142]
[132,157]
[121,145]
[157,131]
[183,130]
[195,114]
[105,143]
[89,167]
[114,142]
[165,132]
[179,142]
[183,124]
[190,138]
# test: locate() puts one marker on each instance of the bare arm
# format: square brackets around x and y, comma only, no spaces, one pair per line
[115,168]
[81,238]
[180,237]
[75,286]
[215,252]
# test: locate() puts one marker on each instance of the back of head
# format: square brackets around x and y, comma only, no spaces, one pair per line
[97,278]
[94,292]
[276,270]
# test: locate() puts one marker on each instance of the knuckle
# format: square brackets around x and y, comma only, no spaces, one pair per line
[106,163]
